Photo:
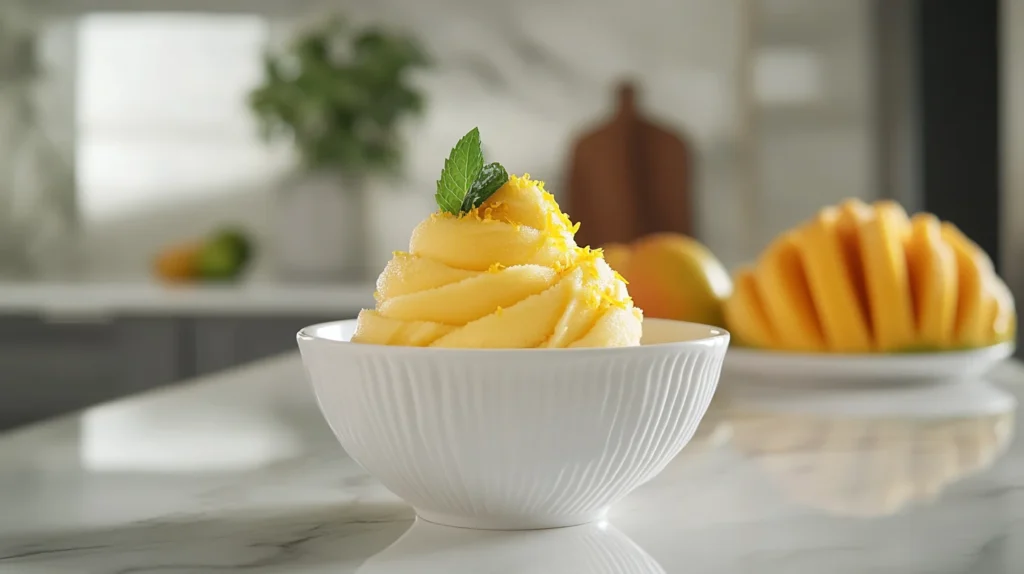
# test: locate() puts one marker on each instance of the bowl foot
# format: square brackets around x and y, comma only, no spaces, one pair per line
[504,522]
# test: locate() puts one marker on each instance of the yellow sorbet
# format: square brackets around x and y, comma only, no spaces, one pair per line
[507,274]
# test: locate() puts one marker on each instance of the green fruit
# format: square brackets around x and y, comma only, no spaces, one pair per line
[224,256]
[218,261]
[238,240]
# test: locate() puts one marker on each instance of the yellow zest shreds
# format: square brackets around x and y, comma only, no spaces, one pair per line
[587,256]
[621,302]
[399,253]
[602,298]
[566,263]
[377,296]
[486,214]
[563,219]
[590,254]
[498,311]
[495,267]
[557,232]
[590,272]
[523,182]
[620,277]
[597,291]
[491,210]
[592,297]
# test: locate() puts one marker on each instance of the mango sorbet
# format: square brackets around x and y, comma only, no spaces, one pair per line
[502,274]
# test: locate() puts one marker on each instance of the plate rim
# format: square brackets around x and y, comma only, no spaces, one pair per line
[784,369]
[1004,350]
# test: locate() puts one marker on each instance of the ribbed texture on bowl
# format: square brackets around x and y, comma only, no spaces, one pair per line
[522,439]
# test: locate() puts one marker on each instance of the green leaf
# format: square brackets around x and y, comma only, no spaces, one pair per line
[339,94]
[489,180]
[460,171]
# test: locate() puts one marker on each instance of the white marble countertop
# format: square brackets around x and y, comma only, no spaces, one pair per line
[95,299]
[238,473]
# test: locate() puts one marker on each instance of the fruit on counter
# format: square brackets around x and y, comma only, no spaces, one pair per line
[672,276]
[177,264]
[497,267]
[861,278]
[224,255]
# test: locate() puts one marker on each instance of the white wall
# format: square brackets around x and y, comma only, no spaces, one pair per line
[819,150]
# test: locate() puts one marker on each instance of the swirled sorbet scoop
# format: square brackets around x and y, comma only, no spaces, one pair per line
[497,267]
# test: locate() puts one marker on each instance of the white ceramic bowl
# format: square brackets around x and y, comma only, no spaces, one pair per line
[514,439]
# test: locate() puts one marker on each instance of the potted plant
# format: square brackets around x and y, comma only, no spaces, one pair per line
[338,95]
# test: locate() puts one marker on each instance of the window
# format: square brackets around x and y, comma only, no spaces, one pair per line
[161,110]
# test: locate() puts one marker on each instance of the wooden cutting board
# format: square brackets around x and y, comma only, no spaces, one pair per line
[629,177]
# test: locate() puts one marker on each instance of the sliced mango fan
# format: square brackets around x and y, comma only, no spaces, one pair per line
[861,278]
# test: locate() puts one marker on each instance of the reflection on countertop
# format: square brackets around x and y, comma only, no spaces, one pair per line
[431,549]
[239,472]
[862,464]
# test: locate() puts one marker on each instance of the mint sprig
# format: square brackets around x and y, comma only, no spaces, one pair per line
[465,181]
[489,180]
[459,173]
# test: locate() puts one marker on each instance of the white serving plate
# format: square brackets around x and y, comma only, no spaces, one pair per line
[749,366]
[955,399]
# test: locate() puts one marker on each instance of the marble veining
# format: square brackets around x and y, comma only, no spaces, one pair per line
[748,494]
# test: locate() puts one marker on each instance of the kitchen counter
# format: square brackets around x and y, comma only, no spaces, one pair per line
[93,298]
[237,472]
[68,345]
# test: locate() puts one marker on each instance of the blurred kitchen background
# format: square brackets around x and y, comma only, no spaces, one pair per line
[148,233]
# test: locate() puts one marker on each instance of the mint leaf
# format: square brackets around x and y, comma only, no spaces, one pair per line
[460,171]
[489,180]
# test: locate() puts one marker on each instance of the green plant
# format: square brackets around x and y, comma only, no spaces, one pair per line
[18,61]
[339,94]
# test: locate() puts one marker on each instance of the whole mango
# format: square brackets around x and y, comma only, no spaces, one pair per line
[672,276]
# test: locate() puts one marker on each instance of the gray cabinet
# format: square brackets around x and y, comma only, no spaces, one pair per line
[50,367]
[46,367]
[224,342]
